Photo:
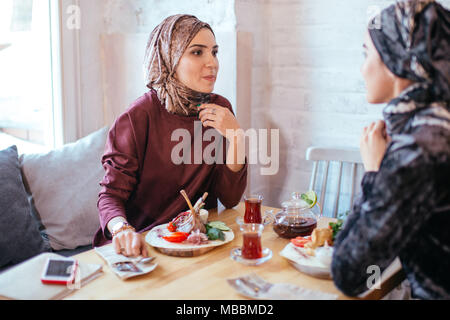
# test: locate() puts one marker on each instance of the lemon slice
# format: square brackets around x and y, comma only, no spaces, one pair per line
[310,198]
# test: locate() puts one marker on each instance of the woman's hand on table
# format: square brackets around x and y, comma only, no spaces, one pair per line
[373,144]
[130,244]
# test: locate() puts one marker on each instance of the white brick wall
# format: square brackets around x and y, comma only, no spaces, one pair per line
[306,57]
[292,65]
[113,38]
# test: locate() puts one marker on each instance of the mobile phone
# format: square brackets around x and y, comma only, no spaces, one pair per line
[59,271]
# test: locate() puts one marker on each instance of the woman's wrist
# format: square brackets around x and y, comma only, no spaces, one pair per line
[236,151]
[235,135]
[114,223]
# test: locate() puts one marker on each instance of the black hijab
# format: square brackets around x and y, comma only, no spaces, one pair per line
[414,43]
[413,40]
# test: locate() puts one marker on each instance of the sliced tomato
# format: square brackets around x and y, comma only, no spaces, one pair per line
[177,237]
[300,241]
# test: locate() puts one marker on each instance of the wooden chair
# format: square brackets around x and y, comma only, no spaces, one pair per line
[393,275]
[340,156]
[390,278]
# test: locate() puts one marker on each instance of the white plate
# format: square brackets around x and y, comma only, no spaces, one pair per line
[182,249]
[305,263]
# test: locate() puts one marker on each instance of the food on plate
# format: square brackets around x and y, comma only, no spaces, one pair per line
[316,266]
[176,237]
[192,226]
[188,221]
[336,227]
[204,216]
[219,225]
[172,227]
[214,233]
[313,254]
[320,237]
[324,254]
[301,241]
[197,238]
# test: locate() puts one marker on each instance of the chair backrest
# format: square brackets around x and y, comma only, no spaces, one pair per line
[341,156]
[392,276]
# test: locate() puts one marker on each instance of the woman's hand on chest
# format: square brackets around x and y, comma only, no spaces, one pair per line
[219,118]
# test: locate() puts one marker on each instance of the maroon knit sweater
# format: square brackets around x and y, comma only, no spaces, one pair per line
[141,181]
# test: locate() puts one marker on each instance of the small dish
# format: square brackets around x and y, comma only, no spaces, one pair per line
[236,254]
[305,263]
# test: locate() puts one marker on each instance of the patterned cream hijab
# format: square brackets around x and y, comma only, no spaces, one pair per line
[166,45]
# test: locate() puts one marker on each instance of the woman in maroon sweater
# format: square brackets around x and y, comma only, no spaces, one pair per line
[144,174]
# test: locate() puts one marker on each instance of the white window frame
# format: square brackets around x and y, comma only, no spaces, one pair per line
[66,74]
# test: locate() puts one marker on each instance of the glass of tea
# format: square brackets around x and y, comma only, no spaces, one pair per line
[253,208]
[251,244]
[252,251]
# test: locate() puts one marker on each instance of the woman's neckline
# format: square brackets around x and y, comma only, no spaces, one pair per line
[154,95]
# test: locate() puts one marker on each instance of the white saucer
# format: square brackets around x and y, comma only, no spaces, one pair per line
[236,254]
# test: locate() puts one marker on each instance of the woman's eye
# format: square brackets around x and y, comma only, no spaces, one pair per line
[215,53]
[197,52]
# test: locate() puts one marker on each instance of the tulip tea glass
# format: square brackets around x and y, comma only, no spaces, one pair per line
[253,208]
[251,252]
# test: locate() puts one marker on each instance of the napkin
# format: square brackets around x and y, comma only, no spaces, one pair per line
[254,287]
[124,267]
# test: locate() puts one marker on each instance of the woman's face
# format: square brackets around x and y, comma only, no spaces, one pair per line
[378,78]
[198,66]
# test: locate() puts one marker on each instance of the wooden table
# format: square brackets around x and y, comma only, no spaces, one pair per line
[205,274]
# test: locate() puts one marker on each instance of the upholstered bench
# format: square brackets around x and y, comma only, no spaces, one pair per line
[48,201]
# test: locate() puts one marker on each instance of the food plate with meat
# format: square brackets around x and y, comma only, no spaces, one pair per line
[158,235]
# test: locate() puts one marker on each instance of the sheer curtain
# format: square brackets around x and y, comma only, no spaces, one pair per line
[25,77]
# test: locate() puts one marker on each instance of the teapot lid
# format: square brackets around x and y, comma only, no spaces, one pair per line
[296,202]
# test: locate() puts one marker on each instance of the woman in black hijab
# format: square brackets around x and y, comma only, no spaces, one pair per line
[404,208]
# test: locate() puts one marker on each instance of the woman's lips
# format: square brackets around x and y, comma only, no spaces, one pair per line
[210,78]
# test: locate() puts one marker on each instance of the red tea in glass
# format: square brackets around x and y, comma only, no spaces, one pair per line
[251,248]
[253,209]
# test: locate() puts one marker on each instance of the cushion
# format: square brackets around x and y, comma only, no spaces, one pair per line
[64,184]
[19,234]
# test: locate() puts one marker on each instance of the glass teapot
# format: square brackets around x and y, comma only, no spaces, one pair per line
[296,218]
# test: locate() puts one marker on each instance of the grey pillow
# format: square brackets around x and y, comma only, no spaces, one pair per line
[64,184]
[19,234]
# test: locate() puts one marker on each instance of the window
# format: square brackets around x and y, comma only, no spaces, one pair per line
[26,102]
